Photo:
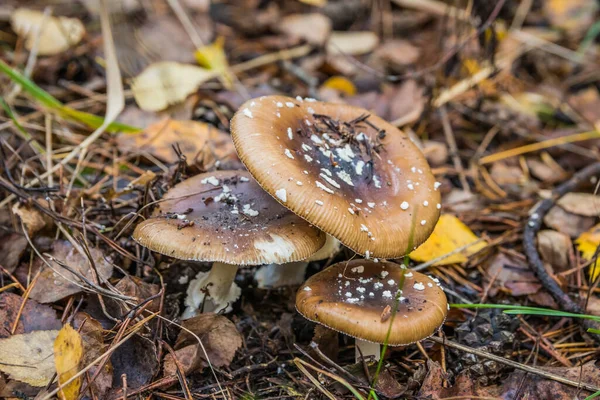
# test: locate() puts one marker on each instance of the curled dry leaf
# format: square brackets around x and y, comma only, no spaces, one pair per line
[93,347]
[448,235]
[137,360]
[166,83]
[198,142]
[585,204]
[12,247]
[52,286]
[33,316]
[68,353]
[57,34]
[352,43]
[313,28]
[28,357]
[32,218]
[512,274]
[219,337]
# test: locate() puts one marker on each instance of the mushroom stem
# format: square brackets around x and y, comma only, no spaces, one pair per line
[212,291]
[278,275]
[368,350]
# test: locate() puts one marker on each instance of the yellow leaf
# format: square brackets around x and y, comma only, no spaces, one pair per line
[68,352]
[28,357]
[448,235]
[316,3]
[587,243]
[213,58]
[340,84]
[166,83]
[57,33]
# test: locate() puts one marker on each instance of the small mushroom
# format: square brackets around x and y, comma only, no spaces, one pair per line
[226,218]
[290,274]
[361,298]
[350,173]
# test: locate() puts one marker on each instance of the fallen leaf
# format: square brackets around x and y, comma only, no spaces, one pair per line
[57,34]
[510,274]
[12,247]
[31,218]
[353,43]
[504,174]
[33,316]
[68,352]
[585,204]
[166,83]
[135,287]
[91,333]
[568,223]
[435,384]
[535,387]
[314,28]
[407,103]
[340,84]
[28,357]
[555,248]
[219,337]
[587,103]
[316,3]
[198,142]
[213,58]
[448,235]
[397,54]
[137,359]
[52,286]
[587,243]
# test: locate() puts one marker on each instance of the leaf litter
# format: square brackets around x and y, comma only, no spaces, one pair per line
[503,115]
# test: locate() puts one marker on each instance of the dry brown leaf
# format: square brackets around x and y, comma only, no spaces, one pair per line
[33,316]
[137,359]
[555,248]
[57,34]
[435,152]
[397,54]
[166,83]
[12,247]
[28,357]
[585,204]
[313,28]
[568,223]
[353,43]
[504,174]
[512,274]
[32,218]
[52,286]
[198,142]
[218,335]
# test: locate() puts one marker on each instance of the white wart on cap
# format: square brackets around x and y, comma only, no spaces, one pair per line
[348,172]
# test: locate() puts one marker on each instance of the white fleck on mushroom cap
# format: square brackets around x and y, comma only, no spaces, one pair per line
[225,216]
[352,297]
[350,173]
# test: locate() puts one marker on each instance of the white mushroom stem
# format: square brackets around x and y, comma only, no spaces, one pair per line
[278,275]
[368,350]
[212,291]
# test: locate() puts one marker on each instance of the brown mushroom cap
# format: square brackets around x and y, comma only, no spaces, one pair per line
[361,182]
[358,296]
[225,216]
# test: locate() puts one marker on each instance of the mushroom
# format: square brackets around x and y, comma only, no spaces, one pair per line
[359,297]
[350,173]
[278,275]
[226,218]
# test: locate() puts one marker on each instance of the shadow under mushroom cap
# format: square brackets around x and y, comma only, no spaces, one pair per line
[357,298]
[352,174]
[225,216]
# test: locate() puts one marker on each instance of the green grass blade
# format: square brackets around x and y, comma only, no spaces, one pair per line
[20,128]
[49,101]
[524,310]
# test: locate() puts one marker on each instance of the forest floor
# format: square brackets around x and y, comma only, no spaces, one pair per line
[501,97]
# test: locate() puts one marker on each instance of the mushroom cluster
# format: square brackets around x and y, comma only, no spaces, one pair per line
[317,174]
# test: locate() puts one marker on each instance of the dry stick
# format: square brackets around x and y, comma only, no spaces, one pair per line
[514,364]
[529,243]
[453,149]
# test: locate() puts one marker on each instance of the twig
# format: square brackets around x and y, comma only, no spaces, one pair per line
[514,364]
[529,243]
[454,149]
